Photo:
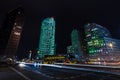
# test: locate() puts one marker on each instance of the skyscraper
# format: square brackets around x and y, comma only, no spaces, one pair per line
[95,39]
[47,38]
[76,44]
[11,31]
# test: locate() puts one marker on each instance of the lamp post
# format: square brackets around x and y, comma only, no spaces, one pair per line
[111,46]
[38,54]
[30,53]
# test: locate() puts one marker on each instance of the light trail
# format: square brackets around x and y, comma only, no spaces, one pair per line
[62,65]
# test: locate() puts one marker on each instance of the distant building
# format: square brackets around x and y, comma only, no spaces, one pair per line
[11,31]
[76,44]
[47,38]
[70,49]
[95,39]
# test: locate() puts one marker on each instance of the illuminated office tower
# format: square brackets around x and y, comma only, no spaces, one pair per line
[95,39]
[47,38]
[76,44]
[11,32]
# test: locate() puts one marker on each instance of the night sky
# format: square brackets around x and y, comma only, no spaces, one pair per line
[68,14]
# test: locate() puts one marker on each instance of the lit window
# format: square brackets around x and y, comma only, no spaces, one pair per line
[16,33]
[19,27]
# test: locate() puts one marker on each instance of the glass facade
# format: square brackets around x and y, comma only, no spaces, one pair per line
[113,45]
[75,39]
[95,39]
[113,49]
[47,38]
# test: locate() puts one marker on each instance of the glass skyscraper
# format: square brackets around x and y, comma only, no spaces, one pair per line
[47,38]
[95,39]
[76,44]
[100,45]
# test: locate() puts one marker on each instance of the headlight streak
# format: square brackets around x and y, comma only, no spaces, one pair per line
[38,65]
[22,65]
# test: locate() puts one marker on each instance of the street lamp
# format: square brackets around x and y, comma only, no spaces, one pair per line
[30,53]
[40,54]
[111,45]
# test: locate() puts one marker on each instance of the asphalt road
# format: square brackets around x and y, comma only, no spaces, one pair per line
[50,73]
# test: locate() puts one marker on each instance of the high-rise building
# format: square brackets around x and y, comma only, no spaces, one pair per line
[47,38]
[95,39]
[76,44]
[11,31]
[100,45]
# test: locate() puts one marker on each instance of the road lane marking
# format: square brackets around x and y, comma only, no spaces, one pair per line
[21,74]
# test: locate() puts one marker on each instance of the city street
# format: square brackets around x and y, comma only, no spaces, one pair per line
[30,72]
